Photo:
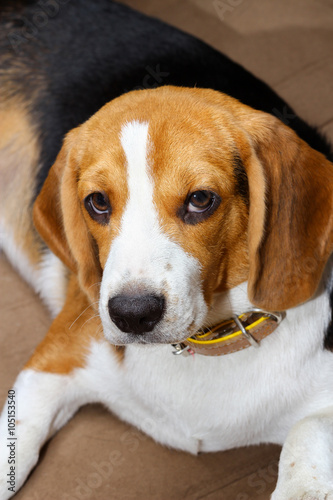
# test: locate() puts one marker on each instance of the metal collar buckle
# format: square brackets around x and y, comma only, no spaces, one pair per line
[246,334]
[276,316]
[181,349]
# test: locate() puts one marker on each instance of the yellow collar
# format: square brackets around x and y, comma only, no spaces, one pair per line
[232,335]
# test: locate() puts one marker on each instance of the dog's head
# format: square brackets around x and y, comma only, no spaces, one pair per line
[166,197]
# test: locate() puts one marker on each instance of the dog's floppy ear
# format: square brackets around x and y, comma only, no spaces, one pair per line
[291,214]
[59,220]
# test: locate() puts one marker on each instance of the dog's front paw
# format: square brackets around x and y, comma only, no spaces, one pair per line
[7,463]
[7,480]
[315,495]
[11,476]
[4,493]
[291,491]
[19,450]
[306,463]
[319,494]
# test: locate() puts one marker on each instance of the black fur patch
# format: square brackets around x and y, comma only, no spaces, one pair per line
[242,179]
[328,342]
[88,53]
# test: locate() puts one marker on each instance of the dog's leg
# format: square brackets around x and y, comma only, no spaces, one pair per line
[47,392]
[306,463]
[43,403]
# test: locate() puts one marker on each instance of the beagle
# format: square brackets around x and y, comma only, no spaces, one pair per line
[182,236]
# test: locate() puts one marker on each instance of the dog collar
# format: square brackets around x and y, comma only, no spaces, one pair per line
[232,335]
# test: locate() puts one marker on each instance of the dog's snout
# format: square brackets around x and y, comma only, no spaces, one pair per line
[136,313]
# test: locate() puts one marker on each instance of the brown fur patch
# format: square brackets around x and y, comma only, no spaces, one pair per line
[193,150]
[68,340]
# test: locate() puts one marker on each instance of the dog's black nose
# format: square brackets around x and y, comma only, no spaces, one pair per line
[136,313]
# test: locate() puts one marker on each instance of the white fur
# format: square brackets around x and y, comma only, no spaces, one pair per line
[16,256]
[48,277]
[44,403]
[306,463]
[214,403]
[145,258]
[205,403]
[51,282]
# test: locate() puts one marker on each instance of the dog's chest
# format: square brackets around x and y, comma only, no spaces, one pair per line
[187,403]
[214,403]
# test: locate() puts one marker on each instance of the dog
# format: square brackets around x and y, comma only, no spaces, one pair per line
[179,234]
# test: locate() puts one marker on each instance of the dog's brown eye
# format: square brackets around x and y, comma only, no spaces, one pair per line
[99,203]
[198,206]
[98,207]
[200,201]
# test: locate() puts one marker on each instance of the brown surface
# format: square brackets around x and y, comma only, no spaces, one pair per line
[288,44]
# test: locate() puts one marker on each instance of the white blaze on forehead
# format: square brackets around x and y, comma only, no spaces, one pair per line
[139,225]
[134,140]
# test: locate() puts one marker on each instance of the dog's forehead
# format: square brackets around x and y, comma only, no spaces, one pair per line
[179,137]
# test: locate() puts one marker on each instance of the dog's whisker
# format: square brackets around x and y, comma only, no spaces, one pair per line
[89,319]
[86,309]
[98,283]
